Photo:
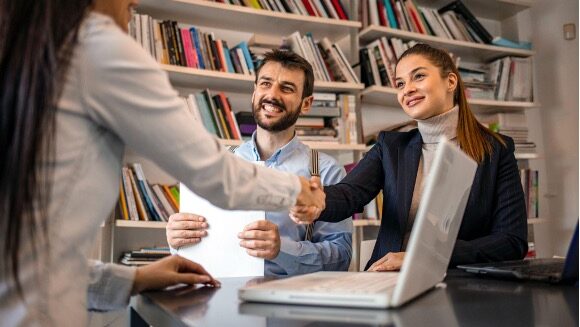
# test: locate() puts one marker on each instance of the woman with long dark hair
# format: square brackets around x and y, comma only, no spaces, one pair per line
[430,91]
[74,91]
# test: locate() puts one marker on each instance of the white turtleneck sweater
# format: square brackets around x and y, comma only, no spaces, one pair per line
[431,130]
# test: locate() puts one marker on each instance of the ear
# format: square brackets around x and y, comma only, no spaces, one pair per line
[452,82]
[306,105]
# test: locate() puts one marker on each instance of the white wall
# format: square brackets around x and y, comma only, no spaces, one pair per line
[556,77]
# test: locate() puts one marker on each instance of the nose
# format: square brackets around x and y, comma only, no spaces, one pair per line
[409,88]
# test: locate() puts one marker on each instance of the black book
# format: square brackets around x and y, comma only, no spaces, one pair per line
[459,8]
[366,70]
[220,108]
[179,41]
[175,40]
[381,66]
[169,41]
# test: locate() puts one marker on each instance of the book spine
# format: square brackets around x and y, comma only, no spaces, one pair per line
[130,197]
[139,198]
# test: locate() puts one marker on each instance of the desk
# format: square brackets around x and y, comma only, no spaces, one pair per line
[465,301]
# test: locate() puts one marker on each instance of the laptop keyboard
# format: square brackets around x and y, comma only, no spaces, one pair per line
[359,283]
[542,269]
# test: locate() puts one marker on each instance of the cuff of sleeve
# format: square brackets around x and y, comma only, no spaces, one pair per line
[113,289]
[286,258]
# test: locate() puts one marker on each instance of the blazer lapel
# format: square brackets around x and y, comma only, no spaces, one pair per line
[407,165]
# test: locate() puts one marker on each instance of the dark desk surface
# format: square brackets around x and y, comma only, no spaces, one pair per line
[464,301]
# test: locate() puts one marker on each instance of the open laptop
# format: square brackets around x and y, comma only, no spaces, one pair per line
[555,270]
[430,245]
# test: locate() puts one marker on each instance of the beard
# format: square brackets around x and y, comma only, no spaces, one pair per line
[285,122]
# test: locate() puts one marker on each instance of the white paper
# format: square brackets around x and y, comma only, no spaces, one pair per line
[220,252]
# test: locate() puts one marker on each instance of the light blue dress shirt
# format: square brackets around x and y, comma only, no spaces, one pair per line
[331,245]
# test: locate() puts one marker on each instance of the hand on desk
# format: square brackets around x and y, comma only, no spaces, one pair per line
[185,229]
[308,210]
[261,239]
[170,271]
[391,261]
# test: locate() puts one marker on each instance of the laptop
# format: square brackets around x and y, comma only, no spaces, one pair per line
[555,270]
[427,256]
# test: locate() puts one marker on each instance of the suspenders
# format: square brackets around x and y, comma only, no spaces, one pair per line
[314,171]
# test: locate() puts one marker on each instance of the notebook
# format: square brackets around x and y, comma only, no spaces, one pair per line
[556,270]
[430,245]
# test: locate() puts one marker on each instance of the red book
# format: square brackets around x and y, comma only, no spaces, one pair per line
[221,55]
[309,8]
[190,55]
[339,9]
[228,116]
[382,16]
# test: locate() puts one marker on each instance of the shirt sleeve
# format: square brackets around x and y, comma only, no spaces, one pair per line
[331,245]
[127,93]
[110,286]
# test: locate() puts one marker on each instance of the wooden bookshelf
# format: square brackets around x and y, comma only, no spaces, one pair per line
[468,51]
[328,146]
[239,83]
[239,18]
[387,96]
[527,156]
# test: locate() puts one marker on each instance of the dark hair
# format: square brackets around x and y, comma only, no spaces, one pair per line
[471,135]
[290,60]
[38,38]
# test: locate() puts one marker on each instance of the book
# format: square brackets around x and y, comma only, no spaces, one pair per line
[458,7]
[502,42]
[129,194]
[152,208]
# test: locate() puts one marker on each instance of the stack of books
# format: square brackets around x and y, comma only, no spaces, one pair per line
[512,124]
[140,200]
[144,256]
[378,60]
[173,43]
[215,112]
[453,21]
[513,79]
[321,122]
[327,59]
[316,8]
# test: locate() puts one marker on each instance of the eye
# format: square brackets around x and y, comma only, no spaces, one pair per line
[399,84]
[265,84]
[419,76]
[287,89]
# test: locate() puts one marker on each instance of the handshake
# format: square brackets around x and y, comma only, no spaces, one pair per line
[310,202]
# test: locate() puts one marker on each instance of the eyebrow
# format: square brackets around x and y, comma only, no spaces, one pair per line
[285,83]
[412,72]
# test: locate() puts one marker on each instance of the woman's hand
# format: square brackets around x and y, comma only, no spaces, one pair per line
[170,271]
[391,261]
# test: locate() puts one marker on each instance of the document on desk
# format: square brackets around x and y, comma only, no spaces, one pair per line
[220,252]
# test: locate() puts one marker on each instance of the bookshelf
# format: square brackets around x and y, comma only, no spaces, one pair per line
[387,97]
[237,23]
[238,18]
[185,76]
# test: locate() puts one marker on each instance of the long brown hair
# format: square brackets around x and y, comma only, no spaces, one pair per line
[38,38]
[473,138]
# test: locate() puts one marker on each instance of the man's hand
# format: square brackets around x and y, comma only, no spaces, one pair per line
[261,239]
[184,229]
[170,271]
[310,202]
[391,261]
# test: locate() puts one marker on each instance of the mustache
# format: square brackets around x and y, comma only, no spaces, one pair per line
[273,102]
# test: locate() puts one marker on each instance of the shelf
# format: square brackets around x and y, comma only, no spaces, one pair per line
[140,224]
[526,156]
[490,9]
[328,146]
[232,17]
[468,51]
[221,81]
[387,96]
[534,221]
[365,222]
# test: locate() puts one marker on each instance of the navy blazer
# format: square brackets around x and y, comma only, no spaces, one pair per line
[494,226]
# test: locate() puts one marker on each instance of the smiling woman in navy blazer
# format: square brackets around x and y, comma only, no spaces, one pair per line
[430,90]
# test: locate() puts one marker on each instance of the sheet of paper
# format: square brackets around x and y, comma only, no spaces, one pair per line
[220,252]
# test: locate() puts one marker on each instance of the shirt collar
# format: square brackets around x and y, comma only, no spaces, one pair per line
[279,155]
